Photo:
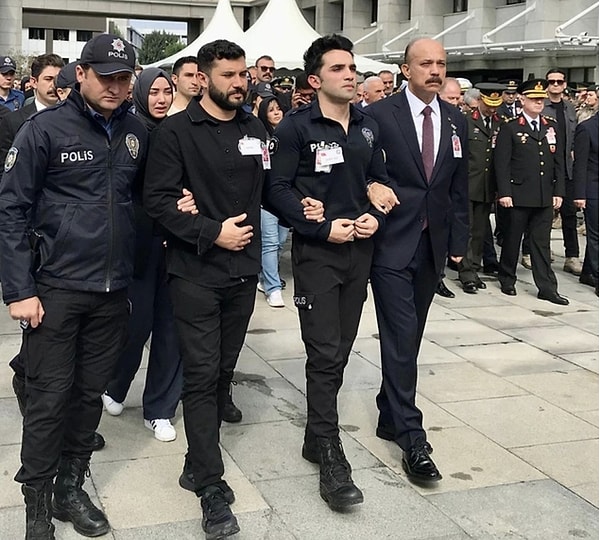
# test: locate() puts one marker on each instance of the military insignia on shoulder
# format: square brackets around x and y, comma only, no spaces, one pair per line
[549,118]
[368,135]
[133,145]
[273,145]
[11,159]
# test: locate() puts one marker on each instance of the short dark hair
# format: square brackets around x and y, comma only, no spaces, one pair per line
[43,61]
[263,57]
[218,50]
[556,70]
[384,71]
[182,61]
[302,82]
[313,57]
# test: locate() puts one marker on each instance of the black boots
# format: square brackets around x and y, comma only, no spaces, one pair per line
[186,481]
[38,510]
[335,476]
[72,504]
[218,520]
[228,411]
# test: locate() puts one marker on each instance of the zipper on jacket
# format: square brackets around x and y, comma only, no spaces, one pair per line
[110,219]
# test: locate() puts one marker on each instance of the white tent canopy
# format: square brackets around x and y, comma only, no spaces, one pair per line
[223,25]
[283,33]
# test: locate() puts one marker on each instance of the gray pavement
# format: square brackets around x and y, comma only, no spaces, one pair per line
[509,390]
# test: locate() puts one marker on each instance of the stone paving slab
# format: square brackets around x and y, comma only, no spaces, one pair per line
[587,360]
[506,317]
[521,421]
[391,510]
[467,460]
[507,359]
[462,381]
[557,339]
[465,332]
[537,510]
[574,390]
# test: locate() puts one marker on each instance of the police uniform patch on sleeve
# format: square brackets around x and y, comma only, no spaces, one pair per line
[11,159]
[273,145]
[368,135]
[133,145]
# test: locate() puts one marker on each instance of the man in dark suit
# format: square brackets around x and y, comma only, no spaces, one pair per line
[425,142]
[529,165]
[566,118]
[44,70]
[585,174]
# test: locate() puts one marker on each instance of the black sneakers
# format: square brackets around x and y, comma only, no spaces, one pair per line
[218,520]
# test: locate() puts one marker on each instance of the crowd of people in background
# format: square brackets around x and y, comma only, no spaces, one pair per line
[134,207]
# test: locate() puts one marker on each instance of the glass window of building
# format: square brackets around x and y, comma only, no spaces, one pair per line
[59,34]
[37,33]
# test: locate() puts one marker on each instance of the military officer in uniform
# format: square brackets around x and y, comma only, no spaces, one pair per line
[483,125]
[511,106]
[529,168]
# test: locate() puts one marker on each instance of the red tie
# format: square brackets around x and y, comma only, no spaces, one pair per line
[427,148]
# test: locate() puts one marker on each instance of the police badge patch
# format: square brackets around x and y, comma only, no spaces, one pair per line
[368,135]
[11,159]
[133,145]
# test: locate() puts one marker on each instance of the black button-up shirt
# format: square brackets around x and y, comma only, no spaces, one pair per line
[343,190]
[193,150]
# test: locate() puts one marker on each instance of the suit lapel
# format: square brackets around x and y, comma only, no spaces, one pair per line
[406,125]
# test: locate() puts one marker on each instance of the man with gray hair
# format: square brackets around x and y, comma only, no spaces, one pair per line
[470,100]
[450,91]
[373,90]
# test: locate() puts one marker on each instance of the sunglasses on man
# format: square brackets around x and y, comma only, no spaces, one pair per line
[264,69]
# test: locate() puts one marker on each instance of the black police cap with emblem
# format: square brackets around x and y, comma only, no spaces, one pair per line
[511,85]
[491,93]
[533,88]
[264,89]
[7,65]
[108,54]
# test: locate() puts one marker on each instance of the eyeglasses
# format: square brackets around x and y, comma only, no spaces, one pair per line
[556,81]
[270,69]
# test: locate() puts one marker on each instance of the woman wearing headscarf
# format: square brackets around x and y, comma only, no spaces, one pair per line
[151,310]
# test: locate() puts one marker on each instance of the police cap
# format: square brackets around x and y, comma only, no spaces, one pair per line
[491,93]
[7,65]
[511,85]
[108,54]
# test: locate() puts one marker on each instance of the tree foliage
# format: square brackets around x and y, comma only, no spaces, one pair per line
[158,45]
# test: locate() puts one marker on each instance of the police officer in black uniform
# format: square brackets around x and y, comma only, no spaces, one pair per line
[330,151]
[529,169]
[66,192]
[483,125]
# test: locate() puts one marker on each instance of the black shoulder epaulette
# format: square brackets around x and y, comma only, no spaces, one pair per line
[551,118]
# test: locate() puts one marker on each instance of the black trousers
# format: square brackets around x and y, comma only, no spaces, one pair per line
[539,223]
[211,324]
[330,288]
[68,361]
[590,262]
[402,301]
[568,214]
[151,312]
[479,214]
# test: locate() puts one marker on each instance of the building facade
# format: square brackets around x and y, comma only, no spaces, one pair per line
[485,39]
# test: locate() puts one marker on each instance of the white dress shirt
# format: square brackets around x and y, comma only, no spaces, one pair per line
[416,111]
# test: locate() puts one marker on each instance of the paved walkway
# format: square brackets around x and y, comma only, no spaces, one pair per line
[509,389]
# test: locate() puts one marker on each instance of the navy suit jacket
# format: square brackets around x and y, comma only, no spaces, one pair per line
[585,168]
[442,202]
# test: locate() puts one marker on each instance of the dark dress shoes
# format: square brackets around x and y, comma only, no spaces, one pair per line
[418,465]
[480,284]
[554,297]
[470,287]
[98,443]
[588,279]
[444,291]
[509,290]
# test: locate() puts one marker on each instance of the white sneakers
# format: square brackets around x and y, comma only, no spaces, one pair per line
[114,408]
[163,429]
[275,299]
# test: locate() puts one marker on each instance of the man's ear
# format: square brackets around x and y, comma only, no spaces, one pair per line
[314,81]
[405,70]
[203,79]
